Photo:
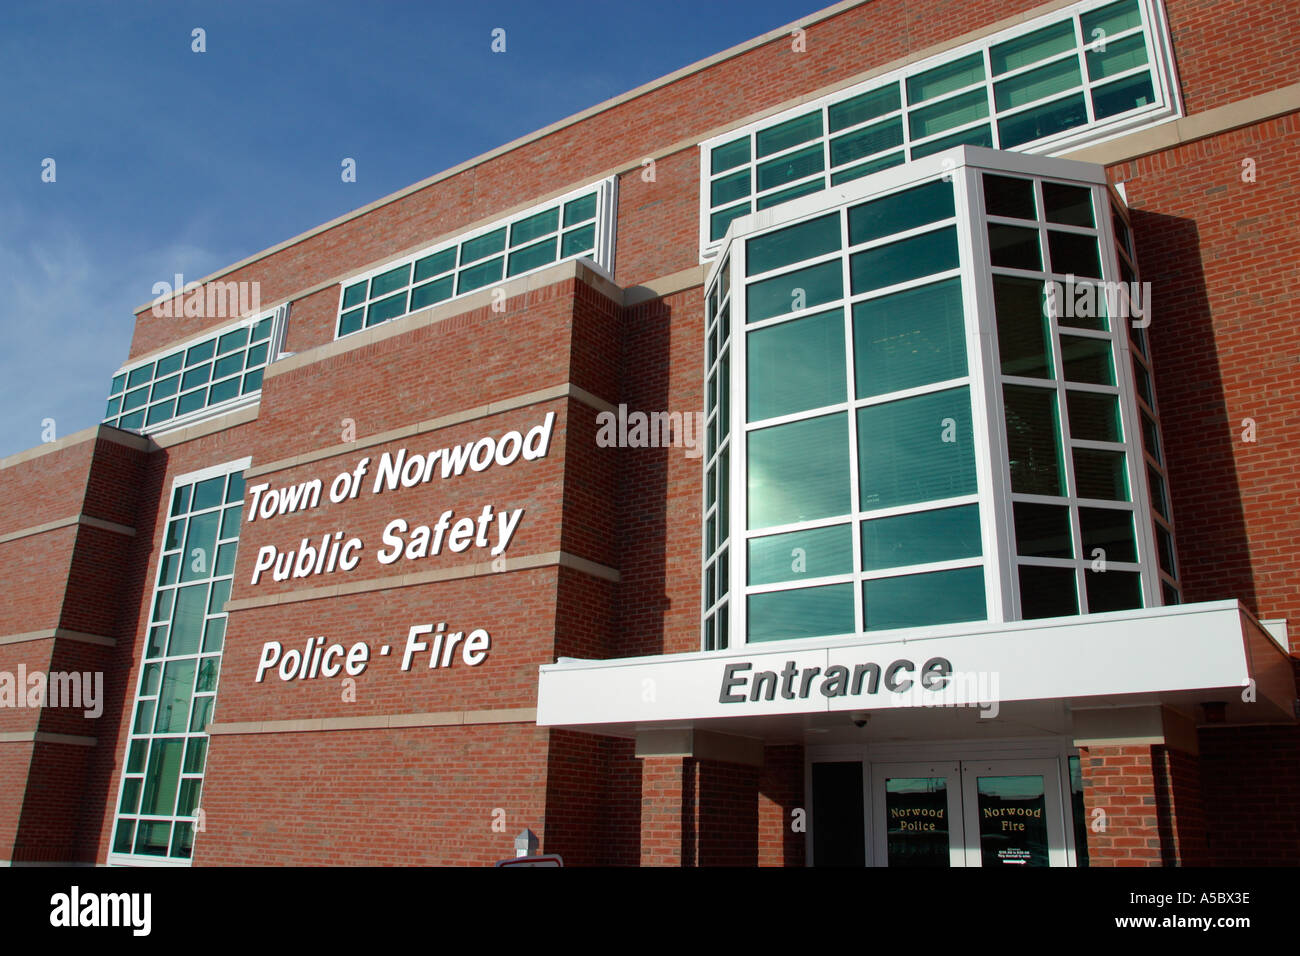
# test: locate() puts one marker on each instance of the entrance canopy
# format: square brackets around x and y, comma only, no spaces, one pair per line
[932,681]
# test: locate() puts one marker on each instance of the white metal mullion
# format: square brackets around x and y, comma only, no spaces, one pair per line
[930,388]
[1131,422]
[992,477]
[738,498]
[1081,52]
[995,134]
[851,420]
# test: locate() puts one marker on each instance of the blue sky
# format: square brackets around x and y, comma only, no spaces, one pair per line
[169,161]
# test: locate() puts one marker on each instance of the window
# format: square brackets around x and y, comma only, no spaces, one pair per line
[928,415]
[1044,86]
[578,224]
[162,782]
[858,455]
[215,373]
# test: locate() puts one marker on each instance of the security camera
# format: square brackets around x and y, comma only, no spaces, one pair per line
[859,718]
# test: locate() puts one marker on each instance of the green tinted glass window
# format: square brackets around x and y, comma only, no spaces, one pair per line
[580,210]
[1123,95]
[785,195]
[867,141]
[1111,20]
[795,555]
[1041,121]
[976,136]
[473,250]
[802,612]
[796,366]
[791,167]
[1119,55]
[1094,416]
[909,338]
[1025,88]
[1024,333]
[578,241]
[532,257]
[788,134]
[390,281]
[783,247]
[1033,440]
[902,261]
[386,309]
[1032,47]
[944,115]
[799,471]
[867,168]
[234,339]
[901,211]
[865,106]
[922,600]
[916,449]
[945,78]
[1109,529]
[802,288]
[526,230]
[729,155]
[1047,592]
[475,277]
[138,376]
[435,265]
[432,292]
[923,537]
[727,189]
[719,221]
[1042,531]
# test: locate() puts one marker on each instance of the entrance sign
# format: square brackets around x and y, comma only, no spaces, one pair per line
[1109,656]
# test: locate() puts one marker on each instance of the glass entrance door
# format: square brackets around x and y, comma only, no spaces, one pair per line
[918,814]
[967,813]
[1013,813]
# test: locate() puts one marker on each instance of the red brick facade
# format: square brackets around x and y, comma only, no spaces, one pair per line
[605,562]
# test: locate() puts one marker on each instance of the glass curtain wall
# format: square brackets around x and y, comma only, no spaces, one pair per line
[914,425]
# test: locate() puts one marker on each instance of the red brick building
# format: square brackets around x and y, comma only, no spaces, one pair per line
[764,467]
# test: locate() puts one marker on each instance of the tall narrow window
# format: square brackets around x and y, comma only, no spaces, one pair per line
[162,782]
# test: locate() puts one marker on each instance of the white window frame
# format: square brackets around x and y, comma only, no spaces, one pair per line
[1160,65]
[279,316]
[964,166]
[606,192]
[134,859]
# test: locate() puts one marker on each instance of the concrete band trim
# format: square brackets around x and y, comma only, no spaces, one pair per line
[1179,132]
[87,520]
[59,633]
[93,433]
[563,390]
[445,718]
[483,568]
[45,737]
